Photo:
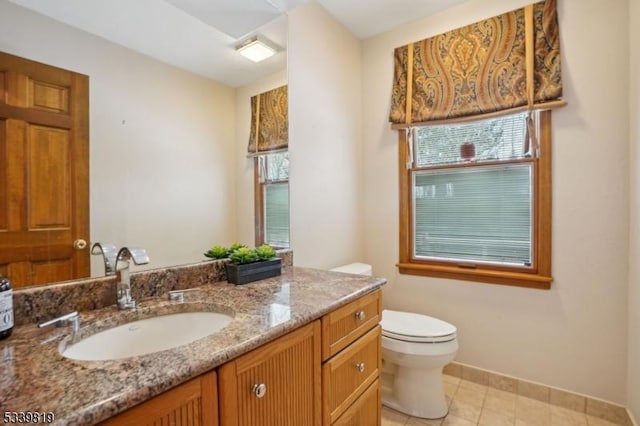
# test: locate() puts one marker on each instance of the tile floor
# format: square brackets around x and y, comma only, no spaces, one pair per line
[472,404]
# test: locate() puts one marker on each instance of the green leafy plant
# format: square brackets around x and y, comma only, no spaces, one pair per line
[243,255]
[217,252]
[265,252]
[236,246]
[240,253]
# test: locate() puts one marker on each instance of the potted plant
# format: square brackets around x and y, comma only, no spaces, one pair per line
[247,265]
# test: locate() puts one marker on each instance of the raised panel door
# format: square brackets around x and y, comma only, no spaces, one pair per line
[44,169]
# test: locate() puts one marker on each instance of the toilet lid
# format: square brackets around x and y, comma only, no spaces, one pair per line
[412,327]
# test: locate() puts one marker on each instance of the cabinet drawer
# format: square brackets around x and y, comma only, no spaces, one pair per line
[346,324]
[346,376]
[366,409]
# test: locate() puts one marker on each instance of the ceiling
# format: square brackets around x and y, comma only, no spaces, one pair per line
[200,35]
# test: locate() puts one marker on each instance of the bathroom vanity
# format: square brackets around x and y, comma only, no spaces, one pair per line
[302,349]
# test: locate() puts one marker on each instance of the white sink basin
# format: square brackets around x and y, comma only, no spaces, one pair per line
[147,336]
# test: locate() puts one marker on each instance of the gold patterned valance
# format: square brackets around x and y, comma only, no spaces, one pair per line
[269,122]
[502,63]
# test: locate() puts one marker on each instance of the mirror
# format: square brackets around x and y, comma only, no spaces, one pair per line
[168,166]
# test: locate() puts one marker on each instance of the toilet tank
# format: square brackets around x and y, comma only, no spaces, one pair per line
[355,268]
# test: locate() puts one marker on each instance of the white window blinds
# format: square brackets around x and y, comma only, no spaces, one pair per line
[472,193]
[475,214]
[276,215]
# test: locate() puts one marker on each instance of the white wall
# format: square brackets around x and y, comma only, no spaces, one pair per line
[162,141]
[244,167]
[325,147]
[573,336]
[633,385]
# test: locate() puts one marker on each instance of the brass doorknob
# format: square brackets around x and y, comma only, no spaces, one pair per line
[80,244]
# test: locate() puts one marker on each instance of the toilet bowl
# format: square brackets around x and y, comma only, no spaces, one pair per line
[415,349]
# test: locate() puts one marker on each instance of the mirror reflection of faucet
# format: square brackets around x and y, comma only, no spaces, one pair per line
[123,282]
[108,252]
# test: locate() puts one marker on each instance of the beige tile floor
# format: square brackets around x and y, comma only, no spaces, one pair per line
[472,404]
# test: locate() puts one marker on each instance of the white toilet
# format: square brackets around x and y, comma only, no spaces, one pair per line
[415,349]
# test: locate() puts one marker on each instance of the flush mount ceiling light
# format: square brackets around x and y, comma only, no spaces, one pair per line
[256,49]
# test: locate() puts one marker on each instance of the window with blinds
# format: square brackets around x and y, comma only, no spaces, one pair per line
[274,182]
[475,172]
[472,193]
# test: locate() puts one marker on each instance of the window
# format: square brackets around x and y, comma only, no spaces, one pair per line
[475,200]
[272,199]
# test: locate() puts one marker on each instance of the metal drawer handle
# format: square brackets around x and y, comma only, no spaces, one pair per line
[360,367]
[259,390]
[360,315]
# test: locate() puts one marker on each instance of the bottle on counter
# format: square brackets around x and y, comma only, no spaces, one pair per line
[6,308]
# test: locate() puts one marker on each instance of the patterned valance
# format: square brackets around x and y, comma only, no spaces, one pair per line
[501,63]
[269,122]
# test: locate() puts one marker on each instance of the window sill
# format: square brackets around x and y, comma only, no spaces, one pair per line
[518,279]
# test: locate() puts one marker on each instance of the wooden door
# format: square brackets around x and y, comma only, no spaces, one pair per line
[44,172]
[289,370]
[194,403]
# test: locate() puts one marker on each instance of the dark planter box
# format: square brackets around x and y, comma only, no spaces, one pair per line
[248,272]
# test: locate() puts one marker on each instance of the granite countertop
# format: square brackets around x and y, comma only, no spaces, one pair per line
[35,377]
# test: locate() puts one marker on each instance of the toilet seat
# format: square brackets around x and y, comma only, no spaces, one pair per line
[416,328]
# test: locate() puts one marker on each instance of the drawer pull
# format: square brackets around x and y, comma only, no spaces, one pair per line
[259,390]
[360,367]
[360,315]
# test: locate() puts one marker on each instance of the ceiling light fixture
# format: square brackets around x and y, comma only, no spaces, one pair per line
[256,49]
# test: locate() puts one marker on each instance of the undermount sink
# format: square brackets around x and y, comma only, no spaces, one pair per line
[147,336]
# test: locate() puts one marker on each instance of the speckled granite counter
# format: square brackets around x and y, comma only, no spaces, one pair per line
[35,377]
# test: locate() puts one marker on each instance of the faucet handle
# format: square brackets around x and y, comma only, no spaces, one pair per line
[72,318]
[137,254]
[180,295]
[108,252]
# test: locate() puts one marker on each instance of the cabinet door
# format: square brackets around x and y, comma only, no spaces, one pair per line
[278,384]
[194,403]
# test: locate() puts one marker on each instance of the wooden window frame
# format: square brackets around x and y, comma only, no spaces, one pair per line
[538,275]
[258,202]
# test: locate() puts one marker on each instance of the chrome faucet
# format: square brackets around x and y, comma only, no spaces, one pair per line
[123,282]
[108,252]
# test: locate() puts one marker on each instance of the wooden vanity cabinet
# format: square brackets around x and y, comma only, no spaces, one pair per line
[194,403]
[277,384]
[351,348]
[324,373]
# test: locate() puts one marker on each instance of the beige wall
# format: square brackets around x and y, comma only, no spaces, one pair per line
[244,166]
[325,146]
[573,336]
[633,385]
[162,141]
